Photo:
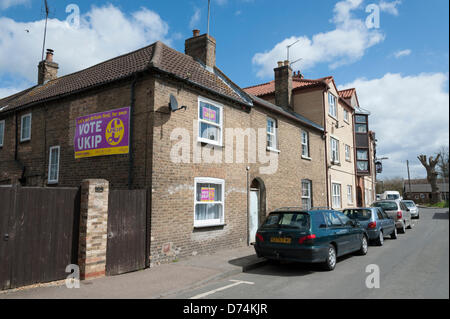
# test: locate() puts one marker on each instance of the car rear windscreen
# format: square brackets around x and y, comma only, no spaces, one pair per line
[287,220]
[392,196]
[359,214]
[386,205]
[409,204]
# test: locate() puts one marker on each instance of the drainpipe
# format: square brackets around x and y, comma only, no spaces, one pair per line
[248,206]
[326,146]
[16,145]
[130,146]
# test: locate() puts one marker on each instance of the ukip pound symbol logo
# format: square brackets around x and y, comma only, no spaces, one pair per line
[115,132]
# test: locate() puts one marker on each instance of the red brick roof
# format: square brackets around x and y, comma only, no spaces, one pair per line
[347,93]
[297,83]
[157,57]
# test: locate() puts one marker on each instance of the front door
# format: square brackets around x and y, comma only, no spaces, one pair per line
[254,213]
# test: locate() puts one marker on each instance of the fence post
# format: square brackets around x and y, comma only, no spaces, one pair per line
[93,228]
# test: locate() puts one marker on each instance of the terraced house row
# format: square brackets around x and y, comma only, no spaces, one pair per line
[214,157]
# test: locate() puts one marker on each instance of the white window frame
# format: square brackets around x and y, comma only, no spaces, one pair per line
[334,150]
[336,196]
[346,116]
[200,120]
[209,222]
[53,181]
[274,134]
[305,144]
[2,132]
[309,197]
[24,139]
[350,194]
[348,153]
[332,107]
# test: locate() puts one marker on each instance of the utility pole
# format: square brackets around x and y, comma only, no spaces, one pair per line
[45,29]
[209,12]
[409,177]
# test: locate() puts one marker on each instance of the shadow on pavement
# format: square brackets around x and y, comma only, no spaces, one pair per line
[441,215]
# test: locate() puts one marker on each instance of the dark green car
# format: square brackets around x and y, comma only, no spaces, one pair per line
[312,236]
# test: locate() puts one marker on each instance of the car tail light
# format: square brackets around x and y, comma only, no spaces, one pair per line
[399,214]
[305,238]
[259,237]
[372,225]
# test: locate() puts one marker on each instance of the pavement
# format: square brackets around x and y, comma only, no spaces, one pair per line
[156,282]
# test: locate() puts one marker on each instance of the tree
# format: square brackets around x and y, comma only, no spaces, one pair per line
[432,175]
[443,164]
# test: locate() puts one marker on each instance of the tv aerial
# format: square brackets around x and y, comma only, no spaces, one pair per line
[288,47]
[173,104]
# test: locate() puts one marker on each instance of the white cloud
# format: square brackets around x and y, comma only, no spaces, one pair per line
[193,23]
[390,7]
[104,32]
[333,47]
[410,116]
[5,4]
[402,53]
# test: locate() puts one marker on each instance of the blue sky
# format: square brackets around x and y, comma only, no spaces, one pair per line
[400,70]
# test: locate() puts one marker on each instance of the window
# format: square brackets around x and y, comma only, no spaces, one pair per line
[346,116]
[362,157]
[2,132]
[209,202]
[347,153]
[332,219]
[334,150]
[305,144]
[271,134]
[210,122]
[332,105]
[350,194]
[336,193]
[306,194]
[53,165]
[361,124]
[287,220]
[25,128]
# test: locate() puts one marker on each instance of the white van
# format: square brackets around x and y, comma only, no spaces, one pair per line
[391,195]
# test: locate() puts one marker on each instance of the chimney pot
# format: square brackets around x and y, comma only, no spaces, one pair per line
[47,69]
[196,32]
[280,64]
[286,62]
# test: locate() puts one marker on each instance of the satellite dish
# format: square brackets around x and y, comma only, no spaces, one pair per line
[173,104]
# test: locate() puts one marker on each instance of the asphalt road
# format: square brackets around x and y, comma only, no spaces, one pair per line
[416,265]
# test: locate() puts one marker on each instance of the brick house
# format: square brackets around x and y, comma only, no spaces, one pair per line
[197,177]
[419,190]
[319,100]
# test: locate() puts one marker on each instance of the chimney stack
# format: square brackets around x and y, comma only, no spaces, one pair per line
[202,47]
[47,69]
[283,85]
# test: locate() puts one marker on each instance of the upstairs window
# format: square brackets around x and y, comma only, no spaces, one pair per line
[2,132]
[332,105]
[362,160]
[347,153]
[361,124]
[334,150]
[305,144]
[25,127]
[346,116]
[210,121]
[272,138]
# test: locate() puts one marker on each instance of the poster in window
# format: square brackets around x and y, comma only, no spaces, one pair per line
[207,194]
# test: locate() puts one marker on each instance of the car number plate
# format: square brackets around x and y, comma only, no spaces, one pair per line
[280,240]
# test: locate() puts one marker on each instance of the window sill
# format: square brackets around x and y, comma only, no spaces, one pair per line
[209,226]
[270,149]
[25,140]
[306,158]
[335,163]
[333,117]
[52,183]
[207,142]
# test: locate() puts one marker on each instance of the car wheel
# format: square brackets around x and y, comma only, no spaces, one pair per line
[364,246]
[330,262]
[410,224]
[403,229]
[394,233]
[380,240]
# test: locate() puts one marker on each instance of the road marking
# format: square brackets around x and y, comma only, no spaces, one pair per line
[236,283]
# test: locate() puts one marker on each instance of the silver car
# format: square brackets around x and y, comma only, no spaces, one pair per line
[412,208]
[397,211]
